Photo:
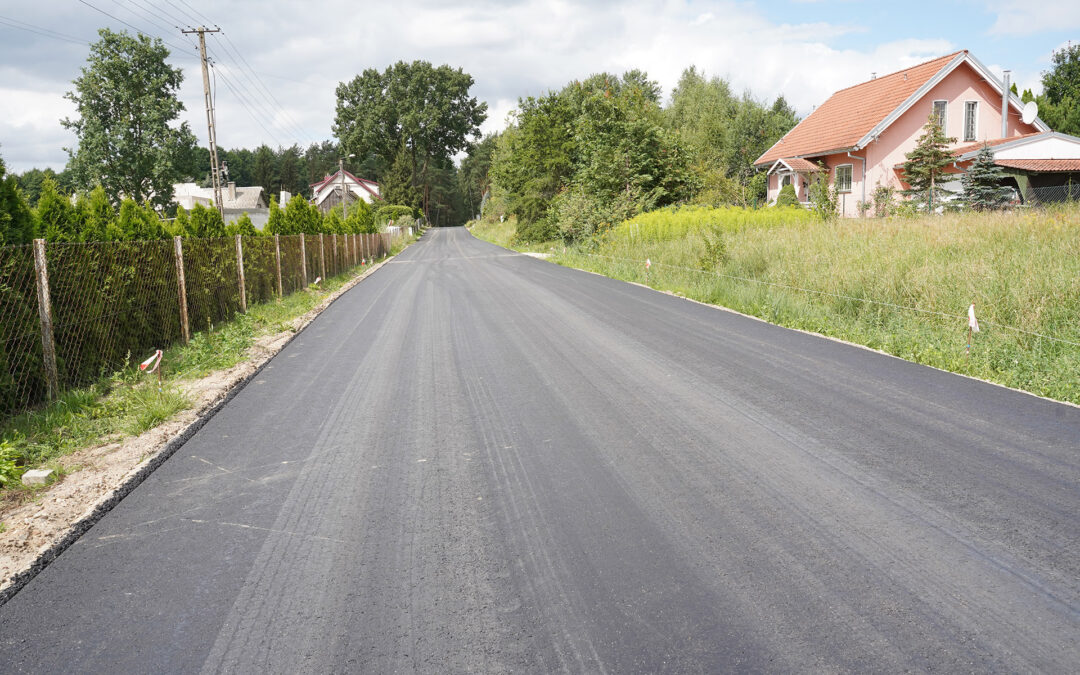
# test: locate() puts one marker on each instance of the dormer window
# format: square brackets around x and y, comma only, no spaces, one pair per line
[939,113]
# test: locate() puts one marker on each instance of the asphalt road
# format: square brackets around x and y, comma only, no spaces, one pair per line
[476,461]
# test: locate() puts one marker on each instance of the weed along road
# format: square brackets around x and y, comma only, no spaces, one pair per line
[476,461]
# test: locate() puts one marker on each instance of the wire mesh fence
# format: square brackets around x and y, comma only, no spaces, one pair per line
[110,301]
[1056,194]
[71,313]
[22,372]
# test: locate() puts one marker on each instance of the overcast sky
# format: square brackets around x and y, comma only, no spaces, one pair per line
[301,51]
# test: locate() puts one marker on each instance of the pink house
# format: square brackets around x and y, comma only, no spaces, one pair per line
[859,136]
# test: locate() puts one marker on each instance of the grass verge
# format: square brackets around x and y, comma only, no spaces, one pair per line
[901,286]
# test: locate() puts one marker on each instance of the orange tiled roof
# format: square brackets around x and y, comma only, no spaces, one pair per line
[1043,165]
[799,164]
[849,114]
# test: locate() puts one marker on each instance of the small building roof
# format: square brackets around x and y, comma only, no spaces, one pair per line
[334,179]
[1041,165]
[795,164]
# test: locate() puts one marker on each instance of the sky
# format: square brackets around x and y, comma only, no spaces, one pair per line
[278,62]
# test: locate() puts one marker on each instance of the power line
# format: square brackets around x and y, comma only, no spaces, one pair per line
[31,28]
[194,12]
[259,81]
[248,109]
[129,25]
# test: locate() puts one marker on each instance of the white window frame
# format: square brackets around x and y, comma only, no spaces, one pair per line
[786,179]
[975,125]
[944,113]
[851,177]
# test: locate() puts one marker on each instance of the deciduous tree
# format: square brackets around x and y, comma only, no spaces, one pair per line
[126,100]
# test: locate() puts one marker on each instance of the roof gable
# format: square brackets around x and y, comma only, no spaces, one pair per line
[852,117]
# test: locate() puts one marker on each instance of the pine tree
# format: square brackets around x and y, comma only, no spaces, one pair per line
[926,164]
[982,183]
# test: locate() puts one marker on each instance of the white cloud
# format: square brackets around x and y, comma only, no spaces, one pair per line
[1023,17]
[514,49]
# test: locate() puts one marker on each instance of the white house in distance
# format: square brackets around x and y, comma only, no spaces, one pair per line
[235,201]
[858,138]
[326,194]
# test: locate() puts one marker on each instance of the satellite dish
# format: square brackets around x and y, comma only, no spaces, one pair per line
[1031,111]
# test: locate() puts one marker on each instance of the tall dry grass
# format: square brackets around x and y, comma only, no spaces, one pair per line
[899,285]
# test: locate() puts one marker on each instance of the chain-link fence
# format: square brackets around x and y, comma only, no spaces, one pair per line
[71,313]
[1055,194]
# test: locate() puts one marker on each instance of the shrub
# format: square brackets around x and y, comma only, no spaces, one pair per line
[787,196]
[384,214]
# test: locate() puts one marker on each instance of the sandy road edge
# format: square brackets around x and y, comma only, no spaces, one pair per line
[26,567]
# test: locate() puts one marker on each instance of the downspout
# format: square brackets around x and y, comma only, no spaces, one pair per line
[862,175]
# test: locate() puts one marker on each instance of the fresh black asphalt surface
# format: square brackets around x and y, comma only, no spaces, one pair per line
[475,461]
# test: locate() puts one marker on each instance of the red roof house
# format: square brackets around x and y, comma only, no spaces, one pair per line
[327,193]
[860,135]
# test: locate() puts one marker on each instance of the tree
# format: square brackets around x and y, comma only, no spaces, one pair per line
[55,215]
[16,219]
[983,190]
[927,162]
[126,99]
[396,186]
[264,170]
[424,109]
[1059,104]
[275,223]
[787,196]
[473,180]
[97,217]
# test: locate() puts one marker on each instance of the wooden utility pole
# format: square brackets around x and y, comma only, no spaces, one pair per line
[215,174]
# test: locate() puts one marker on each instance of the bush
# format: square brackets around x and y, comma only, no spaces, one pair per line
[393,212]
[11,460]
[787,196]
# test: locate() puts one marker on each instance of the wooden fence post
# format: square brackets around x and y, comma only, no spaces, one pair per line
[336,265]
[48,343]
[322,257]
[303,262]
[240,274]
[277,261]
[181,289]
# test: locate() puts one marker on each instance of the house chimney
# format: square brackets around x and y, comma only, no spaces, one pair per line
[873,76]
[232,191]
[1005,107]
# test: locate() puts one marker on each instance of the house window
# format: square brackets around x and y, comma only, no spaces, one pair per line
[939,113]
[971,117]
[843,178]
[786,180]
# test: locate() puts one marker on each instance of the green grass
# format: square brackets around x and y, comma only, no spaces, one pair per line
[129,402]
[843,278]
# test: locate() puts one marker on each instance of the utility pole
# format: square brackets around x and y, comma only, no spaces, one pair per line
[341,174]
[215,176]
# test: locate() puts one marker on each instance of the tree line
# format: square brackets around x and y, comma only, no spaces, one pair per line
[601,150]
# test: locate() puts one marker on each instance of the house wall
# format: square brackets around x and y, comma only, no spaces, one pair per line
[1048,148]
[963,84]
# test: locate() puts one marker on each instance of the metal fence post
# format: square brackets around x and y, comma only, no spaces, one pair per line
[240,274]
[48,343]
[322,256]
[303,262]
[277,262]
[181,288]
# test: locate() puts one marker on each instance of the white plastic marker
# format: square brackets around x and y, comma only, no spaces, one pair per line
[973,325]
[317,280]
[648,263]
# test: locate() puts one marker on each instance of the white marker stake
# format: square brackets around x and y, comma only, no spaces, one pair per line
[973,326]
[154,361]
[648,264]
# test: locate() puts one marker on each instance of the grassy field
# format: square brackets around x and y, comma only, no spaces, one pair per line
[129,402]
[899,285]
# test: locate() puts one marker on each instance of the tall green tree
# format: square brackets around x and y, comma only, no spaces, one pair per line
[926,164]
[55,215]
[426,109]
[1059,104]
[473,179]
[16,219]
[126,100]
[982,183]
